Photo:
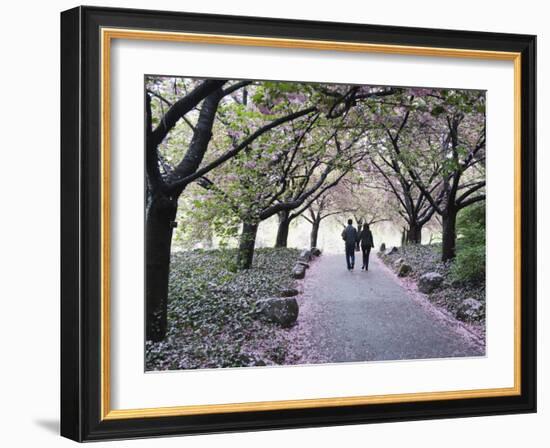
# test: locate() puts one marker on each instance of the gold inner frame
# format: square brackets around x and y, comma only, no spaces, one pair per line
[107,35]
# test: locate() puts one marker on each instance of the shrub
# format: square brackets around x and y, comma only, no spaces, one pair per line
[469,264]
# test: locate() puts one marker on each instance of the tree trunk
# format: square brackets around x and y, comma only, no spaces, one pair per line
[414,234]
[314,232]
[161,214]
[449,235]
[282,231]
[247,242]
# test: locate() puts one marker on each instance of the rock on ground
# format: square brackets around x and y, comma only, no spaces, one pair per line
[451,293]
[281,310]
[289,292]
[429,282]
[305,255]
[316,252]
[404,270]
[470,309]
[393,250]
[299,271]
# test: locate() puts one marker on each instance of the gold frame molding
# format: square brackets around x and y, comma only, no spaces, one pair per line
[107,35]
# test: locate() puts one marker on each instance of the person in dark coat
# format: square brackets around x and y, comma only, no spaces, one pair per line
[367,243]
[349,235]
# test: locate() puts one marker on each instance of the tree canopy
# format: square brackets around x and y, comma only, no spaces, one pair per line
[222,156]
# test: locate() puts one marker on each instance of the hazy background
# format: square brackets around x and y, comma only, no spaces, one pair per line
[329,239]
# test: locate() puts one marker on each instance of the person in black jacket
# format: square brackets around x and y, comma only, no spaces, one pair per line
[349,235]
[367,243]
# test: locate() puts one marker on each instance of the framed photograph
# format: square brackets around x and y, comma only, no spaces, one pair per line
[272,224]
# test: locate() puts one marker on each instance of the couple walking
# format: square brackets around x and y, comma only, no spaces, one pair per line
[352,237]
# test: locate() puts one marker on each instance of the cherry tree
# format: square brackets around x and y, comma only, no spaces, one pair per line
[442,152]
[279,179]
[403,124]
[461,152]
[195,111]
[333,202]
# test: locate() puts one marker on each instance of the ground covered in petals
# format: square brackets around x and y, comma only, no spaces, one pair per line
[212,319]
[427,258]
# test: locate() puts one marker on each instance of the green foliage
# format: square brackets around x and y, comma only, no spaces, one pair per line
[470,259]
[204,216]
[437,110]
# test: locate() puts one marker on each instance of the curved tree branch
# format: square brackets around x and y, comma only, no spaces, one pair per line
[182,106]
[182,182]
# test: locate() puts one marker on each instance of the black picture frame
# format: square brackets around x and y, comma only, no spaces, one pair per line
[81,208]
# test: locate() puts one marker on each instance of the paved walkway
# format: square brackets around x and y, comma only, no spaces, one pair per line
[364,316]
